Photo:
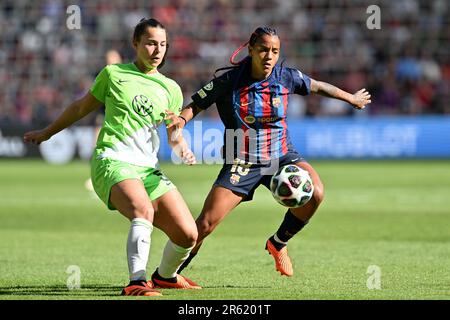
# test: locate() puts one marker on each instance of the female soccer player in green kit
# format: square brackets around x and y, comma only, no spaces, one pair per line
[124,166]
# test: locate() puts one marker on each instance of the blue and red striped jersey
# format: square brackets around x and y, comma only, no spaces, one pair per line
[254,112]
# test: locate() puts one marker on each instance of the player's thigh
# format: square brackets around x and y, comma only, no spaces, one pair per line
[172,216]
[219,202]
[130,198]
[317,182]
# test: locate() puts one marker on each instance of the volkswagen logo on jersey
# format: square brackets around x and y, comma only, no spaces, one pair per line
[142,105]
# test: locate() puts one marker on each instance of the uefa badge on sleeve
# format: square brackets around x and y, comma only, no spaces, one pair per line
[201,93]
[209,86]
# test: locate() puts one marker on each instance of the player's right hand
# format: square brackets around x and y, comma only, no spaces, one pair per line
[36,137]
[174,120]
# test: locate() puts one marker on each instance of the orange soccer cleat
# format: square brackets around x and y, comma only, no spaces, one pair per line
[282,261]
[142,289]
[179,282]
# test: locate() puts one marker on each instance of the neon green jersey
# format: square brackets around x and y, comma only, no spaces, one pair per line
[135,105]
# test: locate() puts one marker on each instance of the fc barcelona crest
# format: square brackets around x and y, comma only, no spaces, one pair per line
[276,102]
[234,179]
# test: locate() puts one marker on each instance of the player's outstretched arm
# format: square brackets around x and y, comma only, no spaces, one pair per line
[71,114]
[188,113]
[358,100]
[177,142]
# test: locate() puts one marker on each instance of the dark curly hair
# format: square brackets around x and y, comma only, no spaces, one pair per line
[256,35]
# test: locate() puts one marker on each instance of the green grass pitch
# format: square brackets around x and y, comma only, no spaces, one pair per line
[394,215]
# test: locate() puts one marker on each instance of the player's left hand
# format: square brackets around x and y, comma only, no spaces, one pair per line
[360,99]
[188,157]
[36,137]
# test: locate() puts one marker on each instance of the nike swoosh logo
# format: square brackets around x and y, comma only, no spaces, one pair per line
[294,160]
[122,81]
[246,104]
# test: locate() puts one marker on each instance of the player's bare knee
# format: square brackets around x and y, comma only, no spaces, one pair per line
[204,227]
[191,238]
[142,211]
[186,238]
[191,235]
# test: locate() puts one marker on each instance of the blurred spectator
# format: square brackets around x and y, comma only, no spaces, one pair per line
[405,64]
[112,57]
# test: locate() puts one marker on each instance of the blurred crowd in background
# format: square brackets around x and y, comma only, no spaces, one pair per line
[405,65]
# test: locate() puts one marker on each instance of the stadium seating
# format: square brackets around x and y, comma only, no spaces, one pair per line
[405,64]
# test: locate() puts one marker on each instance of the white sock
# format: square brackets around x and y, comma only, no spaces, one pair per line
[138,248]
[173,257]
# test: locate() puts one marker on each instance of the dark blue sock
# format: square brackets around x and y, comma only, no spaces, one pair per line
[290,226]
[186,262]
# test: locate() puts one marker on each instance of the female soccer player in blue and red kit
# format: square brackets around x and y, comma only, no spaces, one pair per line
[252,101]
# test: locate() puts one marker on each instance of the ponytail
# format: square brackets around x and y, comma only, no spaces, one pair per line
[255,36]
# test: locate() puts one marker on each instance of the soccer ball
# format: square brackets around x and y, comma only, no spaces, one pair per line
[291,186]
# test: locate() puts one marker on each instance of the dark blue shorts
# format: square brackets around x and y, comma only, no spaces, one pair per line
[243,177]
